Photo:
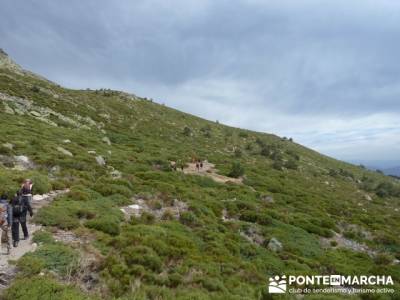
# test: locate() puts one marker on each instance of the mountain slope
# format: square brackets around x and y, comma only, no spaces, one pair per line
[292,211]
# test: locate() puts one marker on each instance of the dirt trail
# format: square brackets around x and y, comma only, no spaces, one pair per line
[210,171]
[7,270]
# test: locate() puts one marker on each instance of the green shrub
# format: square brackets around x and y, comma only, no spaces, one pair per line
[106,224]
[42,236]
[42,288]
[41,185]
[293,154]
[249,147]
[255,217]
[30,265]
[236,170]
[238,153]
[264,219]
[187,131]
[57,216]
[386,239]
[265,151]
[56,257]
[144,218]
[351,234]
[174,280]
[278,165]
[249,216]
[58,185]
[119,200]
[109,189]
[85,213]
[291,164]
[188,218]
[383,259]
[35,89]
[212,284]
[79,193]
[144,256]
[5,150]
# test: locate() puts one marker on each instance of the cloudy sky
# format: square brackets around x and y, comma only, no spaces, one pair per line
[326,73]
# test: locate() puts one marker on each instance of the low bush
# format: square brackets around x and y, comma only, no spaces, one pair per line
[278,165]
[30,265]
[187,131]
[383,259]
[56,257]
[42,236]
[42,184]
[238,153]
[142,255]
[255,217]
[56,216]
[79,193]
[42,288]
[291,164]
[110,189]
[174,280]
[145,218]
[236,170]
[188,218]
[106,224]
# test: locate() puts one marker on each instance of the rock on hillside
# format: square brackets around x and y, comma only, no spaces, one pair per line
[8,63]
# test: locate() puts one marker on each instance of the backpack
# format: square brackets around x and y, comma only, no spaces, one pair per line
[18,206]
[3,212]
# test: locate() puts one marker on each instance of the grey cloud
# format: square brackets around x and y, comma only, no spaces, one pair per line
[278,61]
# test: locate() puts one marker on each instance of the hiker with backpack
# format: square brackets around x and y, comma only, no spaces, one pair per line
[5,222]
[26,189]
[21,205]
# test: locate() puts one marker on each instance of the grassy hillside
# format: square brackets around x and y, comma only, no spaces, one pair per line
[113,149]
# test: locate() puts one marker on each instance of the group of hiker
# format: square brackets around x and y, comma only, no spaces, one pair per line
[174,167]
[13,213]
[198,163]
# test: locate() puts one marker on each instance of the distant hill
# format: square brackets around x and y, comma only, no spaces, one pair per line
[392,171]
[142,221]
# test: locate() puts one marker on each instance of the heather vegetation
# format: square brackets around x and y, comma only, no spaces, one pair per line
[111,149]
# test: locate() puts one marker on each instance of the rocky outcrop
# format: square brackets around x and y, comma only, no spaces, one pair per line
[253,235]
[267,199]
[64,151]
[22,162]
[100,160]
[275,245]
[7,63]
[8,146]
[155,207]
[106,140]
[21,106]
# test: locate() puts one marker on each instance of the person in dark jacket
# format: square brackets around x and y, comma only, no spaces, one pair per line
[26,189]
[20,207]
[5,221]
